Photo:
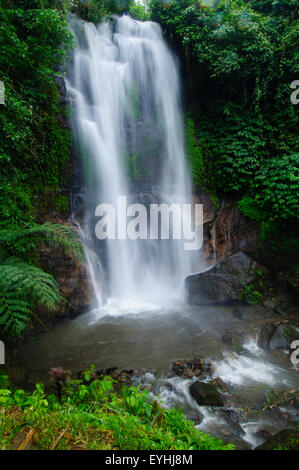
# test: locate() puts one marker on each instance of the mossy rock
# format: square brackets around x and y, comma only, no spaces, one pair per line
[206,394]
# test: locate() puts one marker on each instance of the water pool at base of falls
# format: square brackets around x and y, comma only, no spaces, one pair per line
[148,335]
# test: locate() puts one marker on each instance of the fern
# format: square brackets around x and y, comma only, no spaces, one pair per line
[23,286]
[31,281]
[14,313]
[19,241]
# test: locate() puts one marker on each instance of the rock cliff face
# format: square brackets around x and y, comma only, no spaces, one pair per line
[230,232]
[227,231]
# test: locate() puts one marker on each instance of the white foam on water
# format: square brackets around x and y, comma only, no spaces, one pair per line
[242,370]
[250,429]
[176,393]
[252,347]
[127,306]
[132,306]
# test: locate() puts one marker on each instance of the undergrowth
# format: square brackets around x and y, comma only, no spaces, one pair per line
[91,414]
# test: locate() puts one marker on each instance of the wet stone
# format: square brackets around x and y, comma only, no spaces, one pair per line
[206,394]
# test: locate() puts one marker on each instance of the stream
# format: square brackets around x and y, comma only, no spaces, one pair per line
[149,337]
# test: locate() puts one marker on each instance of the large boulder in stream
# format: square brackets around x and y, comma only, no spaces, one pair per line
[223,282]
[265,336]
[205,394]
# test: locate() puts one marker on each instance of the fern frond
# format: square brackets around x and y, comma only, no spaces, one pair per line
[22,286]
[14,313]
[31,281]
[20,240]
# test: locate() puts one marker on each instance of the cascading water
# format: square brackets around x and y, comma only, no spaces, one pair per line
[124,85]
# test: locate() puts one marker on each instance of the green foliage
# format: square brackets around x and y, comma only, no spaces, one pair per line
[251,295]
[275,190]
[34,146]
[249,209]
[242,130]
[19,241]
[229,150]
[24,286]
[138,12]
[194,154]
[99,418]
[284,242]
[21,287]
[228,39]
[96,10]
[34,151]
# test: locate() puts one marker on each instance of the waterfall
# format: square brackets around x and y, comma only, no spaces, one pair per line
[124,87]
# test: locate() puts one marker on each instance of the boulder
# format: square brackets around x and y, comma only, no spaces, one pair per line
[70,273]
[205,394]
[265,336]
[283,337]
[221,385]
[273,337]
[223,282]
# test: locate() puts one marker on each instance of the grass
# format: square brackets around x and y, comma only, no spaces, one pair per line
[95,414]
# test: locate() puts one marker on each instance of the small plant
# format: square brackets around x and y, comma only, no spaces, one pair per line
[251,295]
